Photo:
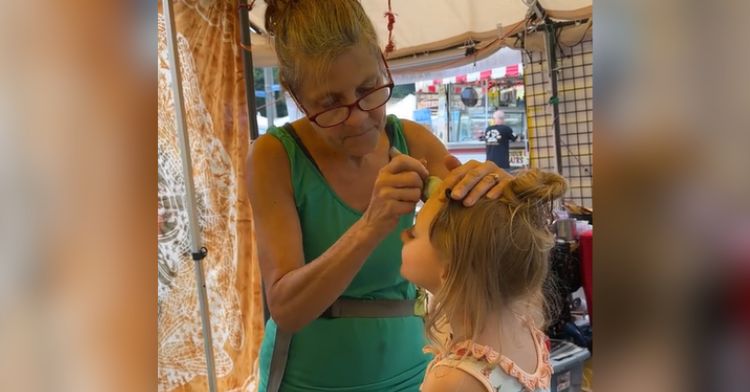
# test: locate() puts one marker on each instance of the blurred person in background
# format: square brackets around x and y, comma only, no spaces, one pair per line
[497,138]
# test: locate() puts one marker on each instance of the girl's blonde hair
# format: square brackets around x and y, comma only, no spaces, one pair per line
[496,252]
[309,34]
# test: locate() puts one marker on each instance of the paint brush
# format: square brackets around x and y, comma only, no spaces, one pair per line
[430,185]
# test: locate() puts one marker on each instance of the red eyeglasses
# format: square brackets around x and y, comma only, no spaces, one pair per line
[369,101]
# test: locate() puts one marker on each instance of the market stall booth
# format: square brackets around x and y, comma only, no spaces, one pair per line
[216,45]
[458,110]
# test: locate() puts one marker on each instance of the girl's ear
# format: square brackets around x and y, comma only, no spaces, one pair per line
[443,272]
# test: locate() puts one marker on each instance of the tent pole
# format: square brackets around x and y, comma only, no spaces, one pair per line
[487,104]
[197,251]
[247,61]
[250,92]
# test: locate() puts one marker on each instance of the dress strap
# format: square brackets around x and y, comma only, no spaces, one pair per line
[290,129]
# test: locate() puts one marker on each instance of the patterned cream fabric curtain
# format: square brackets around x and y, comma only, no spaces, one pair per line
[217,120]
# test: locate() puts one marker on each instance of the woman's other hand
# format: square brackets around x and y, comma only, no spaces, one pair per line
[472,180]
[397,191]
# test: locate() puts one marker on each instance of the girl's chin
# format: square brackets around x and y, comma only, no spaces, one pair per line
[429,286]
[406,275]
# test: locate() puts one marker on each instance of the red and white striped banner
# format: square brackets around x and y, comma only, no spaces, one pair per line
[425,86]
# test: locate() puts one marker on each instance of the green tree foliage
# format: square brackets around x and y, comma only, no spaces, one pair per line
[403,90]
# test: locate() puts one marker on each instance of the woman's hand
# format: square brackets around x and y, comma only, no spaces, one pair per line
[473,180]
[397,190]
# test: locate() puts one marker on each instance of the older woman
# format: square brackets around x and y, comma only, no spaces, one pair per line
[329,202]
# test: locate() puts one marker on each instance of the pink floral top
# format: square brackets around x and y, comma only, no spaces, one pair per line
[496,371]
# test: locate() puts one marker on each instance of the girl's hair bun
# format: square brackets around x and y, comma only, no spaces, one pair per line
[533,186]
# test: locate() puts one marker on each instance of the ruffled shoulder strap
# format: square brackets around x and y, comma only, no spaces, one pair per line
[481,360]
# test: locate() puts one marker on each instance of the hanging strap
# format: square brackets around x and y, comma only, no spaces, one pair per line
[278,360]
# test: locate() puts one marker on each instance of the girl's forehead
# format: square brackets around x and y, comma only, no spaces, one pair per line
[430,209]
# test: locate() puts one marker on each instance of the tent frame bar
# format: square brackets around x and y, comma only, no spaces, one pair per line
[197,250]
[247,62]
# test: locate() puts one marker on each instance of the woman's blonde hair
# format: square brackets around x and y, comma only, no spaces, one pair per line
[309,34]
[496,252]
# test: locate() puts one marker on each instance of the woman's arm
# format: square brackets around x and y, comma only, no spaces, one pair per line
[469,181]
[423,144]
[296,292]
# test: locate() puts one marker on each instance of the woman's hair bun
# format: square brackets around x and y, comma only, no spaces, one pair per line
[274,11]
[534,185]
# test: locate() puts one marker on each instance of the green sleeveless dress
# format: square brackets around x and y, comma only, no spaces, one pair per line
[348,354]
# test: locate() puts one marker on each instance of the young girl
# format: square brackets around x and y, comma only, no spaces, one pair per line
[486,266]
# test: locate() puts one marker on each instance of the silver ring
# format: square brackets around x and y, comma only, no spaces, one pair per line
[495,177]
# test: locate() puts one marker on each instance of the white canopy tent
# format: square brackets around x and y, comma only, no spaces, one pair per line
[429,35]
[433,34]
